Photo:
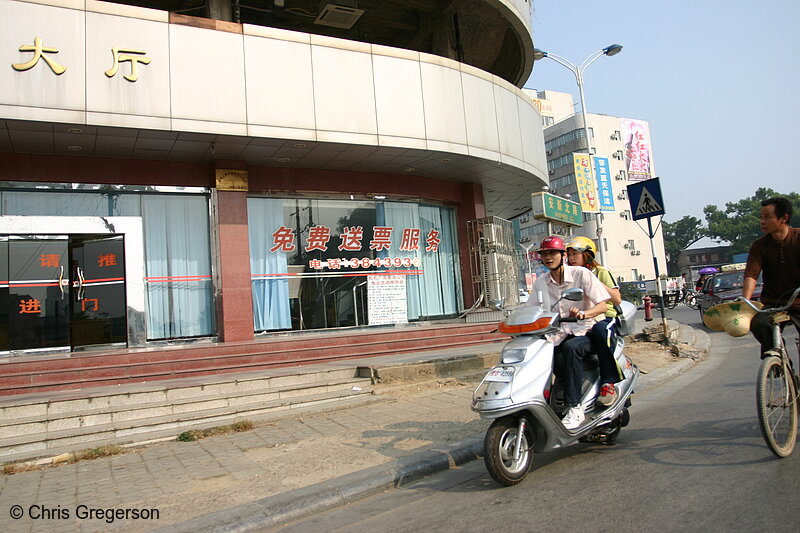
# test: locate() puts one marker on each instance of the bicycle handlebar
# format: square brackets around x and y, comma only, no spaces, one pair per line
[792,298]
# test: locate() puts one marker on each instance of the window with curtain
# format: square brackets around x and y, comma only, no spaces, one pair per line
[76,204]
[177,266]
[177,249]
[302,276]
[270,293]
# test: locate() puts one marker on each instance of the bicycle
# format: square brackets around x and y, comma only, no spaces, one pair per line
[686,296]
[777,386]
[690,299]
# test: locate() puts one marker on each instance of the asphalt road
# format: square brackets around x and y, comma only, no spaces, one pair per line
[692,459]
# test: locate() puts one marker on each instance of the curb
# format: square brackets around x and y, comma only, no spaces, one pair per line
[445,367]
[663,374]
[281,508]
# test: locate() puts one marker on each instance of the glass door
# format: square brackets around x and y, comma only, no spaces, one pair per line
[61,292]
[98,307]
[37,294]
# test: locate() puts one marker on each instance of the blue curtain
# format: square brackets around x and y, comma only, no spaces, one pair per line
[178,266]
[400,216]
[440,283]
[270,296]
[438,290]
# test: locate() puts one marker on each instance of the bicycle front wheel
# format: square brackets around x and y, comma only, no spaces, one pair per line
[777,407]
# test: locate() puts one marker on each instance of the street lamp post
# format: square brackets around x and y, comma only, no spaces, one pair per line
[578,70]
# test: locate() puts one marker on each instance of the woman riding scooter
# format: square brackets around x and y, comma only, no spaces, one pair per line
[581,252]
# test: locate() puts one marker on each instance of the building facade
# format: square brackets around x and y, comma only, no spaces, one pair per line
[622,155]
[226,169]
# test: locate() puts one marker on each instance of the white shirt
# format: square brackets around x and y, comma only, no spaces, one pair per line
[546,291]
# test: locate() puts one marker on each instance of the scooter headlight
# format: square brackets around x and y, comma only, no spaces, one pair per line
[513,355]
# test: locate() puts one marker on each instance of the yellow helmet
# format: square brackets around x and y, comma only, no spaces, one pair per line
[582,244]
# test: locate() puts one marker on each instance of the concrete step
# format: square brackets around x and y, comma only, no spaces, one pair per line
[40,448]
[80,420]
[279,344]
[31,429]
[42,404]
[102,370]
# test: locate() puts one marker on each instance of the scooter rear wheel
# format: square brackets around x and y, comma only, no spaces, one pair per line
[498,451]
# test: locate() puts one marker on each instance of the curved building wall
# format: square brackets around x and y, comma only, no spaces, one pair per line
[493,35]
[259,82]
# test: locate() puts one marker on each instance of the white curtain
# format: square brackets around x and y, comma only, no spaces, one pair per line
[81,204]
[270,296]
[401,216]
[178,266]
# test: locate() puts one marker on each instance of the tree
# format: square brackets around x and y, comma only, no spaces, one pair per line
[678,236]
[739,223]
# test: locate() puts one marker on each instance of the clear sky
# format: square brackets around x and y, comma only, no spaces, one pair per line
[718,81]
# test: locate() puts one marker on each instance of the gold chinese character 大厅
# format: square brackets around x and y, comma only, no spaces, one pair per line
[39,52]
[134,56]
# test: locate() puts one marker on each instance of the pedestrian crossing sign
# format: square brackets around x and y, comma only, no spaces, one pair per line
[645,198]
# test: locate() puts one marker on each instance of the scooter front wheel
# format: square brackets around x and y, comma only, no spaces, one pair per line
[499,448]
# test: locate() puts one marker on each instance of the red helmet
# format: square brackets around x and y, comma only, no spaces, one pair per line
[552,242]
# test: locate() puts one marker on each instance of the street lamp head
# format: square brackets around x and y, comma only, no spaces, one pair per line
[612,50]
[538,54]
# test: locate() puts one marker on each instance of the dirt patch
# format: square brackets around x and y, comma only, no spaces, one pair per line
[648,355]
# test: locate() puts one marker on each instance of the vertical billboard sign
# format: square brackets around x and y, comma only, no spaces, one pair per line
[636,136]
[587,190]
[604,189]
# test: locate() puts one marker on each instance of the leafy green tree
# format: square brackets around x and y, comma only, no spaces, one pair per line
[739,223]
[678,236]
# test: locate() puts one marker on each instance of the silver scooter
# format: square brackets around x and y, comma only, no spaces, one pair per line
[525,397]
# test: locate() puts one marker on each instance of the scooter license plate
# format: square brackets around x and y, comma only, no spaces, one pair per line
[502,374]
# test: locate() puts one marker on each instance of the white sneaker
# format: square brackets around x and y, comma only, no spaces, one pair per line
[573,418]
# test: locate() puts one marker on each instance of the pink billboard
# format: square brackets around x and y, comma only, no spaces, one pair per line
[638,161]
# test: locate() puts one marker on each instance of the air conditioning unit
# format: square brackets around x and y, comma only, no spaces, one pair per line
[620,196]
[551,171]
[636,252]
[614,136]
[626,245]
[339,14]
[549,152]
[641,277]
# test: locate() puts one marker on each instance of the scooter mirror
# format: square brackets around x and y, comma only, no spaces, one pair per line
[497,305]
[573,295]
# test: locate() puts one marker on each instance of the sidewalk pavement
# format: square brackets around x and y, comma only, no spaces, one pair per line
[281,470]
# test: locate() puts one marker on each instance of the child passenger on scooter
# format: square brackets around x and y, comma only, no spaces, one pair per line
[571,340]
[581,252]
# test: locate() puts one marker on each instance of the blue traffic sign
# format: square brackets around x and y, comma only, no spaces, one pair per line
[646,200]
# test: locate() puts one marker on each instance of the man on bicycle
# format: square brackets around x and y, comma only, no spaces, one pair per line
[776,256]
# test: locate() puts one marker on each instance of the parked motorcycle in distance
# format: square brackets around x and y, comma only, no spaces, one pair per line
[525,397]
